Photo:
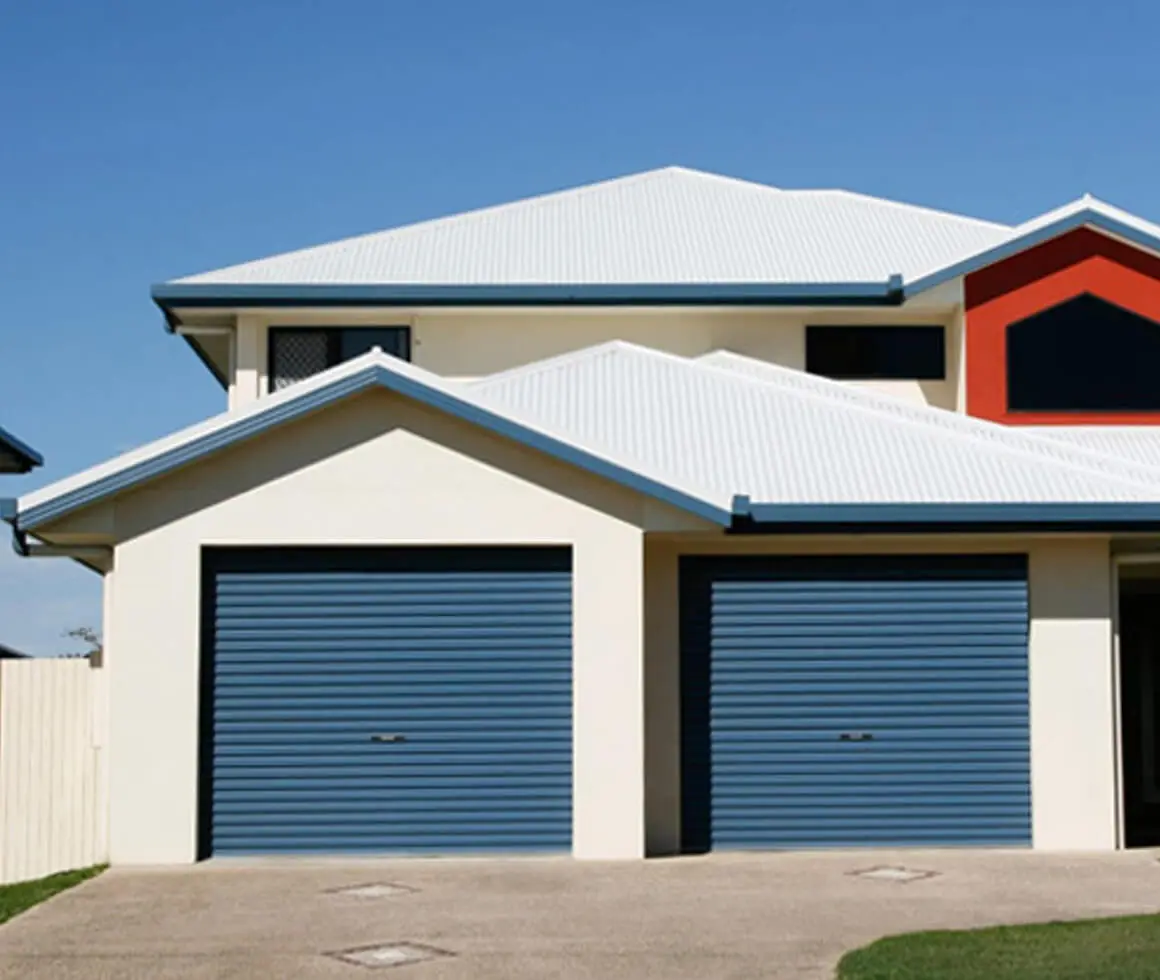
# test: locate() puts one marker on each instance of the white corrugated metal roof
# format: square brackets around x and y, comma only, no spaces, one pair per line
[179,449]
[1073,447]
[691,432]
[667,226]
[1087,211]
[785,443]
[1138,443]
[1087,206]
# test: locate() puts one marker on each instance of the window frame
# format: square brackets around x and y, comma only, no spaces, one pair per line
[1031,394]
[333,335]
[819,329]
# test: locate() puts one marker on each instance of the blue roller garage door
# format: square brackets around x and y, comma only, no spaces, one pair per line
[855,701]
[387,700]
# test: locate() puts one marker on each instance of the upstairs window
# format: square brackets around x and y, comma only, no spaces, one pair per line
[902,353]
[297,353]
[1085,355]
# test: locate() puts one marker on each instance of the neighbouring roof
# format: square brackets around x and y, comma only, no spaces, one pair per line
[16,456]
[7,653]
[718,439]
[672,226]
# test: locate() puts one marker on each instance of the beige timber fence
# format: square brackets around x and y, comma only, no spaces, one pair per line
[53,808]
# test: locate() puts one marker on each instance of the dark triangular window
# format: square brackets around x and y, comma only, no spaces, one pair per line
[1085,355]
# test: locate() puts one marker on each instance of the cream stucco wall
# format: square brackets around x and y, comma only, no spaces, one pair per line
[1074,784]
[374,470]
[472,343]
[380,470]
[1073,734]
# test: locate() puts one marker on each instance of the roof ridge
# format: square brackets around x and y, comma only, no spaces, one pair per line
[866,405]
[905,206]
[724,178]
[337,383]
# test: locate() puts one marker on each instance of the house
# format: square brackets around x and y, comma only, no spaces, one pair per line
[15,456]
[665,514]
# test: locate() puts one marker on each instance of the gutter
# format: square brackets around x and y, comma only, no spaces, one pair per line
[171,295]
[92,556]
[940,518]
[8,513]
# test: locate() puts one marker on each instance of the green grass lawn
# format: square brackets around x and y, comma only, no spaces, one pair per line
[1124,949]
[14,899]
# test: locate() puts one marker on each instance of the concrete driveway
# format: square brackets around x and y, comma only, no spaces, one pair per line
[723,916]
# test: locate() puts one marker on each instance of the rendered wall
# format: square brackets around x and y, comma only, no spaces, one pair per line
[375,470]
[1073,735]
[469,344]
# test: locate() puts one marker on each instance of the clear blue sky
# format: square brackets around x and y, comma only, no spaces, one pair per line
[142,141]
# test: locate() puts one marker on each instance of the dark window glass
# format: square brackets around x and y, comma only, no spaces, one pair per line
[875,353]
[393,340]
[297,353]
[1085,355]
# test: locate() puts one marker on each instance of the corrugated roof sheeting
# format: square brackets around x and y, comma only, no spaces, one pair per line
[684,431]
[1076,452]
[668,226]
[1138,443]
[785,443]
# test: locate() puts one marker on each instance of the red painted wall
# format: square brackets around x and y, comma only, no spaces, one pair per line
[1082,261]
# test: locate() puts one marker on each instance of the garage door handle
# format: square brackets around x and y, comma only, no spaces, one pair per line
[388,738]
[856,737]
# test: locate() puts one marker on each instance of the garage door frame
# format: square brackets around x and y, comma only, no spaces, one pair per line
[697,572]
[215,559]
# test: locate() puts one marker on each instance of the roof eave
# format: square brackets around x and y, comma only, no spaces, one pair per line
[1084,217]
[943,518]
[30,517]
[173,296]
[26,457]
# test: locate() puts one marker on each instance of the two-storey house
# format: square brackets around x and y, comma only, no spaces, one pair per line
[669,513]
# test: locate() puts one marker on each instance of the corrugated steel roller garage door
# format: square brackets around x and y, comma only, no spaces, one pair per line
[855,701]
[387,700]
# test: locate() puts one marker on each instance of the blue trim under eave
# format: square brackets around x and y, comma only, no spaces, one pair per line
[1087,217]
[369,377]
[27,457]
[169,296]
[942,518]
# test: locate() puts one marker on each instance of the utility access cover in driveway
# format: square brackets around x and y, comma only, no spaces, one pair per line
[391,954]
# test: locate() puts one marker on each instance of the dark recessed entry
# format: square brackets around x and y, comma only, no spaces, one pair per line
[1140,709]
[1085,355]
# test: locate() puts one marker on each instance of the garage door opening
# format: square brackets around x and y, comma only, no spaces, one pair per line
[1139,626]
[382,700]
[855,701]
